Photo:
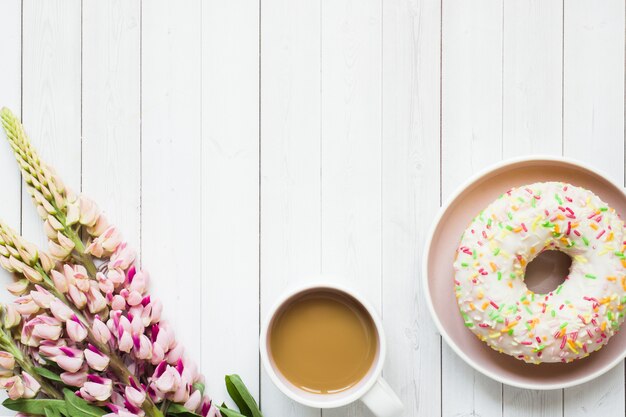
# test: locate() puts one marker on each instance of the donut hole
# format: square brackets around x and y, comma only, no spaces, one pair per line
[547,271]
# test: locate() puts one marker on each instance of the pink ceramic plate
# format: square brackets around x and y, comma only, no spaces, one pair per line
[438,273]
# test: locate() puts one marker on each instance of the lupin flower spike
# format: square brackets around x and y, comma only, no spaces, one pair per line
[84,307]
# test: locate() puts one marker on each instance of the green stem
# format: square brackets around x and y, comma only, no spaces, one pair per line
[79,254]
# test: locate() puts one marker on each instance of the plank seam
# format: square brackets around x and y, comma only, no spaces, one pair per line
[259,206]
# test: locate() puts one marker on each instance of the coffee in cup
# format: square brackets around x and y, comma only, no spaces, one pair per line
[324,346]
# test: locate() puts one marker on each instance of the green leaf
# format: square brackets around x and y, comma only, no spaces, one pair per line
[51,412]
[179,411]
[227,412]
[48,374]
[78,407]
[35,406]
[241,396]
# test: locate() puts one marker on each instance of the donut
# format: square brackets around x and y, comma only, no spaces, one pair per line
[570,322]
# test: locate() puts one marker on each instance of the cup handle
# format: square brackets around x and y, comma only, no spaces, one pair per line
[382,401]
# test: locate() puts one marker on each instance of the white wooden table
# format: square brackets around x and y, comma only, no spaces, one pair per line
[247,145]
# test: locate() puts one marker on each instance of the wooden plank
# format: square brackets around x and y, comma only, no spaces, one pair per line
[11,88]
[230,192]
[532,118]
[11,97]
[593,129]
[51,100]
[350,155]
[290,162]
[410,196]
[532,77]
[110,108]
[170,164]
[471,140]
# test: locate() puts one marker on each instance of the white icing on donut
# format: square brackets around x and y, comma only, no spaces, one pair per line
[579,316]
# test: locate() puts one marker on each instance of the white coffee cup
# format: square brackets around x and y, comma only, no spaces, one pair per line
[372,390]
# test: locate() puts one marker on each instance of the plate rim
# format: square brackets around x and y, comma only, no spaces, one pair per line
[426,254]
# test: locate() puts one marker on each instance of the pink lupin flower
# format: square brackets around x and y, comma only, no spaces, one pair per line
[133,409]
[46,327]
[11,316]
[132,298]
[75,274]
[194,401]
[51,348]
[88,211]
[73,213]
[166,378]
[124,334]
[75,329]
[7,360]
[70,359]
[57,251]
[143,347]
[138,281]
[175,354]
[181,395]
[60,281]
[122,413]
[118,302]
[77,296]
[100,227]
[104,283]
[31,386]
[32,275]
[165,336]
[75,379]
[105,244]
[123,257]
[38,328]
[207,409]
[25,305]
[60,310]
[116,276]
[101,331]
[14,386]
[135,395]
[95,300]
[96,388]
[41,297]
[18,287]
[96,360]
[125,342]
[157,354]
[190,372]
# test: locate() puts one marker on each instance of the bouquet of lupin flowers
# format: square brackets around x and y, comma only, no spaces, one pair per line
[83,337]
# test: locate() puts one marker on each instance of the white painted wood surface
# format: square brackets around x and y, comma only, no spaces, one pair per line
[245,146]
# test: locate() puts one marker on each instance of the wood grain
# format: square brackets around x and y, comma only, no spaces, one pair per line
[51,96]
[171,187]
[350,156]
[11,97]
[246,146]
[410,169]
[11,88]
[471,140]
[593,132]
[290,162]
[532,124]
[230,193]
[110,111]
